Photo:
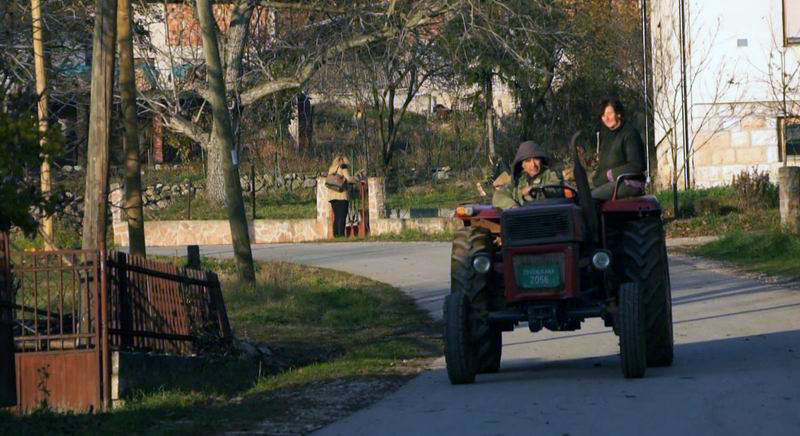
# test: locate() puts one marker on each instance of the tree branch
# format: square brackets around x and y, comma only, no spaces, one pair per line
[181,125]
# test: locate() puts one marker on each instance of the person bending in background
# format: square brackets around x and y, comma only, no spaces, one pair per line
[339,199]
[530,171]
[619,151]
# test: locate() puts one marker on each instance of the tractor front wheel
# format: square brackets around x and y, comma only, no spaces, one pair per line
[459,355]
[468,243]
[632,331]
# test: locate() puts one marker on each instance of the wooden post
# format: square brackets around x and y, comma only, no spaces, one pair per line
[193,256]
[218,305]
[94,211]
[789,181]
[124,302]
[41,92]
[103,48]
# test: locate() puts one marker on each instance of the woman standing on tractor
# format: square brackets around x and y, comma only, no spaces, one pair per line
[620,151]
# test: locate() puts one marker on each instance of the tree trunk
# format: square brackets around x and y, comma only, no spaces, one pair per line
[489,114]
[41,91]
[675,207]
[224,142]
[127,88]
[94,207]
[215,169]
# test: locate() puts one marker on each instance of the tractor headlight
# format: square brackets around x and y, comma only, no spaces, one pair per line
[465,211]
[601,260]
[481,264]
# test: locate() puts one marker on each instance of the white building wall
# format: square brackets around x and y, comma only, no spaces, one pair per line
[733,127]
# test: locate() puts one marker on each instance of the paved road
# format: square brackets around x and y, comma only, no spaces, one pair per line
[736,370]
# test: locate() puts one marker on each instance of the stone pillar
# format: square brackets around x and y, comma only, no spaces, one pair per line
[376,201]
[789,181]
[324,212]
[119,220]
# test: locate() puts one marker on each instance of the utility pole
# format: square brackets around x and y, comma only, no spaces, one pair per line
[684,99]
[42,106]
[645,82]
[100,110]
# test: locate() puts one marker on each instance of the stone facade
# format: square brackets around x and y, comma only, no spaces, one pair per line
[211,232]
[379,224]
[751,143]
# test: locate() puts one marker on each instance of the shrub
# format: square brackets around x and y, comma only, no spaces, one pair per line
[707,205]
[754,190]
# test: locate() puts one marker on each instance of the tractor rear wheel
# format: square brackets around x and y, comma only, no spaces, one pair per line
[469,242]
[644,261]
[631,325]
[458,345]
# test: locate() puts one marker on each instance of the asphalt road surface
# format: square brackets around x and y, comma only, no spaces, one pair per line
[736,368]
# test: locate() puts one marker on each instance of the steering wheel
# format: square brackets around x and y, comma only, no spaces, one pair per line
[558,190]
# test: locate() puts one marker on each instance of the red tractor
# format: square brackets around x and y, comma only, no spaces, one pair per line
[552,264]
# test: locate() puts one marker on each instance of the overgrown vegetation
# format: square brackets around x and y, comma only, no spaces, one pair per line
[750,203]
[773,251]
[321,326]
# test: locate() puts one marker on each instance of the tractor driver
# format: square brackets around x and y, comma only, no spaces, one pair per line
[531,170]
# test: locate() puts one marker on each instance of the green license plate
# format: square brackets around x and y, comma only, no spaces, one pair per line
[547,275]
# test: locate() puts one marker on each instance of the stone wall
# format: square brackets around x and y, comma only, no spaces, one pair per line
[746,144]
[750,143]
[208,232]
[379,224]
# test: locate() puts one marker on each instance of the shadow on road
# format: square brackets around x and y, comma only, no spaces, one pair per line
[755,353]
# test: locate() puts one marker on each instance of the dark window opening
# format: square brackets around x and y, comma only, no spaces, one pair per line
[792,132]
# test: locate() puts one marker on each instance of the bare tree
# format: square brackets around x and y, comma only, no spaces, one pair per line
[127,86]
[314,34]
[704,124]
[224,141]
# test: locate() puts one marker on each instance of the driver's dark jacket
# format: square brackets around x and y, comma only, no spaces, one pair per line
[511,194]
[621,151]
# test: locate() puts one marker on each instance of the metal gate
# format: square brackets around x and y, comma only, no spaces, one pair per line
[8,391]
[61,356]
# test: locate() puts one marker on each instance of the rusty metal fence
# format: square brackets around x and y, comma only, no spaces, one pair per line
[8,388]
[70,308]
[156,306]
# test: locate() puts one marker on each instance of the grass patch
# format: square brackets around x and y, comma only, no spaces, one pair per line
[717,225]
[275,205]
[414,235]
[771,251]
[715,212]
[434,195]
[323,327]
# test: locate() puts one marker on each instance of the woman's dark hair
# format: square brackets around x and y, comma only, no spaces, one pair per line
[615,104]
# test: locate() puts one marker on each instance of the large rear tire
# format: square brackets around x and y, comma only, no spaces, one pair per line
[469,242]
[644,261]
[631,325]
[458,351]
